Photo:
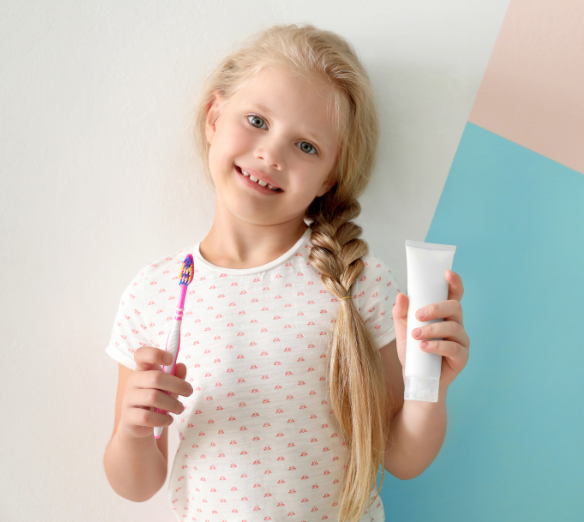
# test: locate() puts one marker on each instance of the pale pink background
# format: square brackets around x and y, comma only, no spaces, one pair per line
[532,92]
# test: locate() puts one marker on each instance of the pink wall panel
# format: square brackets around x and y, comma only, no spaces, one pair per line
[532,92]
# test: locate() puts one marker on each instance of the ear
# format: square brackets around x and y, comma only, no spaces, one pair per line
[213,105]
[326,186]
[330,181]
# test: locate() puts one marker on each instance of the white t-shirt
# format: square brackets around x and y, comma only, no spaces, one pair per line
[258,438]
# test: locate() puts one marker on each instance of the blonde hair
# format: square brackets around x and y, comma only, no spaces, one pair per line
[356,377]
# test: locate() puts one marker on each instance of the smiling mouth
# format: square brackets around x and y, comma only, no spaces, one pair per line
[275,190]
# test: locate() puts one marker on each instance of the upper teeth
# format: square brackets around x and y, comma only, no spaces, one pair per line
[258,181]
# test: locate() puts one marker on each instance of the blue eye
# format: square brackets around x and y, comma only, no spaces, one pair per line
[310,145]
[256,118]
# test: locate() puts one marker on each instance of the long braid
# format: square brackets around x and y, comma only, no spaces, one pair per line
[355,371]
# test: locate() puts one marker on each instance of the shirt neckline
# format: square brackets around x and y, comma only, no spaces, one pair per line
[253,270]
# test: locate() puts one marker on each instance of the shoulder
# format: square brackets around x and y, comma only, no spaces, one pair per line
[375,293]
[376,284]
[375,270]
[373,261]
[170,265]
[156,276]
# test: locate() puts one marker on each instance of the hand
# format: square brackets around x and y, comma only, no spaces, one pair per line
[454,347]
[146,389]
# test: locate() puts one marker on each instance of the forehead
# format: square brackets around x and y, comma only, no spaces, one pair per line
[287,98]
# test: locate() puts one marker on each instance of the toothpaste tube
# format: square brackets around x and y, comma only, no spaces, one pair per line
[426,265]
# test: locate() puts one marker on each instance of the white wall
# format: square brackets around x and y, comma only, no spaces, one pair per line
[99,177]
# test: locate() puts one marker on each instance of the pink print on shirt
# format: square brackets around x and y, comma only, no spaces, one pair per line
[258,438]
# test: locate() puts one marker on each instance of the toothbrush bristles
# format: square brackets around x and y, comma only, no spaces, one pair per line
[186,274]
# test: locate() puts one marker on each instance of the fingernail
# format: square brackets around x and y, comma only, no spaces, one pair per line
[168,358]
[421,314]
[416,332]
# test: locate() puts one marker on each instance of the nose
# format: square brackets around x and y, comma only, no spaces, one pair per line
[271,151]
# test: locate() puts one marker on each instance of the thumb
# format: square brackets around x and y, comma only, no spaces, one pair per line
[180,371]
[400,318]
[400,311]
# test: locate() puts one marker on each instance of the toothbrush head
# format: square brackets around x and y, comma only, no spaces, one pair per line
[186,274]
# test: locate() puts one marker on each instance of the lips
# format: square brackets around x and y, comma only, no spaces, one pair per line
[259,175]
[255,185]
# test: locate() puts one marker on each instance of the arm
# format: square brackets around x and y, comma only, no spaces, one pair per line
[418,431]
[136,470]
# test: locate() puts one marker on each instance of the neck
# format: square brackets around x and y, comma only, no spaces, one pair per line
[239,244]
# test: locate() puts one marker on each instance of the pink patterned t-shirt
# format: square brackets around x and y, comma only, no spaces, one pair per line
[258,437]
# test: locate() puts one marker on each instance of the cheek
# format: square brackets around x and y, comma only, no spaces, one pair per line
[304,188]
[224,147]
[237,141]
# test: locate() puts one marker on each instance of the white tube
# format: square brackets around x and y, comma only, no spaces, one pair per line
[426,265]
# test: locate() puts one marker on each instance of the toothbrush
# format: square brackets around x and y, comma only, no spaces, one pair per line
[173,341]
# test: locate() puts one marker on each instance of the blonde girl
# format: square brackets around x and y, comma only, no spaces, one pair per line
[289,416]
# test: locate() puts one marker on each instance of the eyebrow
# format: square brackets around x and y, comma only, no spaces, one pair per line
[308,134]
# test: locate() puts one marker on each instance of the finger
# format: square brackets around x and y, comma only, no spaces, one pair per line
[455,286]
[450,310]
[400,309]
[150,358]
[141,416]
[450,349]
[150,398]
[400,318]
[181,373]
[448,330]
[167,382]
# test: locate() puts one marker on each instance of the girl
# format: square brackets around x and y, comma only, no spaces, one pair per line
[288,408]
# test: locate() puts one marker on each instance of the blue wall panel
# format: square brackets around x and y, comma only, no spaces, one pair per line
[513,449]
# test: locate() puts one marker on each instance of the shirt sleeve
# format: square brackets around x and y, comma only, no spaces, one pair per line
[375,293]
[130,330]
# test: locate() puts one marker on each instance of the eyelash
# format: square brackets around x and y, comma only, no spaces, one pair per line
[256,116]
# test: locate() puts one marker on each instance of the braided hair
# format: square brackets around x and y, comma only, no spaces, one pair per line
[355,376]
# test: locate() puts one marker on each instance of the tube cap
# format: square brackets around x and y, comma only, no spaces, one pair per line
[421,389]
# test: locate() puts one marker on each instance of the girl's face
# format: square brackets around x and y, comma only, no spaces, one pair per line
[278,126]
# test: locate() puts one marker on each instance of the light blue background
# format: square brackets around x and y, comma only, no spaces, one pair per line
[513,449]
